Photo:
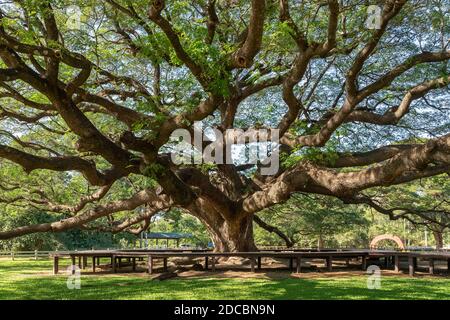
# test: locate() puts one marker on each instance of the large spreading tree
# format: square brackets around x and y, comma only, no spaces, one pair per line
[90,96]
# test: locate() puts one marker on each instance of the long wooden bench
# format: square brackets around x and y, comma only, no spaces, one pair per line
[255,258]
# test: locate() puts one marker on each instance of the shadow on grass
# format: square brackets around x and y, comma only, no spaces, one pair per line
[29,279]
[207,288]
[23,266]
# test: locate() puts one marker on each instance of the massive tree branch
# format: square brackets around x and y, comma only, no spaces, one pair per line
[30,162]
[97,212]
[243,57]
[407,165]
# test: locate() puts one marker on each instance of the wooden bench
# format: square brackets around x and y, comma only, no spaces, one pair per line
[255,258]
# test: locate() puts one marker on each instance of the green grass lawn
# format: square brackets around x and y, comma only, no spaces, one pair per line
[28,279]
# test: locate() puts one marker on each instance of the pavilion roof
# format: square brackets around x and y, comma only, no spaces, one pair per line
[166,235]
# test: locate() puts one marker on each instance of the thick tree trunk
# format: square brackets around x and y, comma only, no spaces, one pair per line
[231,235]
[439,239]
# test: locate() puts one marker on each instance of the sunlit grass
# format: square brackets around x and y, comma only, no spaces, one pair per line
[29,279]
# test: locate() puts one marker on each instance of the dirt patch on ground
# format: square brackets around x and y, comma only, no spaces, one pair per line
[279,274]
[271,269]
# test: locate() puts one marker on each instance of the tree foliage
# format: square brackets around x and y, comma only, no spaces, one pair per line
[90,96]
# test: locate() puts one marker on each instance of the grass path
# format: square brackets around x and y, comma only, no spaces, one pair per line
[26,279]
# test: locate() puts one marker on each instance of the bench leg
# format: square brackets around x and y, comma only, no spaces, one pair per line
[411,266]
[299,264]
[94,261]
[165,264]
[213,264]
[364,263]
[259,263]
[252,264]
[206,263]
[72,258]
[431,266]
[114,265]
[330,263]
[397,264]
[150,265]
[55,265]
[134,264]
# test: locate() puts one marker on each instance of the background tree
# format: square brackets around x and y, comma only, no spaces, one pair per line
[422,203]
[177,221]
[313,221]
[92,104]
